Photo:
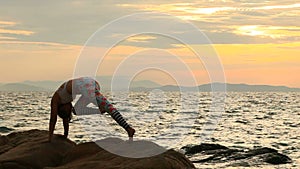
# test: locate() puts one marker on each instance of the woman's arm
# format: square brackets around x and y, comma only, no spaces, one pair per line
[53,115]
[66,126]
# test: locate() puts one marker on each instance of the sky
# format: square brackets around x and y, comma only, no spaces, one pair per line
[252,41]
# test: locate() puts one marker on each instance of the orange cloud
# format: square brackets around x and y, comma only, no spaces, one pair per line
[275,32]
[16,32]
[7,23]
[141,38]
[275,64]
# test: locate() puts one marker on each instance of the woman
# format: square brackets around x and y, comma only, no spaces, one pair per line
[89,90]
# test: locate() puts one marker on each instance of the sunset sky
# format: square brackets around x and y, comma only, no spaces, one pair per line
[257,41]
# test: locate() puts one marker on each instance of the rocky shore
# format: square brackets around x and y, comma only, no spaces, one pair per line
[31,150]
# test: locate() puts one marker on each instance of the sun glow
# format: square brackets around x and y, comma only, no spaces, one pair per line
[275,32]
[252,30]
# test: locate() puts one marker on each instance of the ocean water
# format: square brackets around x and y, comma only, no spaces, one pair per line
[251,119]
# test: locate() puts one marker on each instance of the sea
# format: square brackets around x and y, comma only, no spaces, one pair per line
[249,119]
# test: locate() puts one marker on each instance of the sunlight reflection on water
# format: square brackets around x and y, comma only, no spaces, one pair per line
[251,119]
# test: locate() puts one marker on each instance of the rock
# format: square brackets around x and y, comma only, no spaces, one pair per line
[277,158]
[3,140]
[202,147]
[31,150]
[220,154]
[5,129]
[132,149]
[90,155]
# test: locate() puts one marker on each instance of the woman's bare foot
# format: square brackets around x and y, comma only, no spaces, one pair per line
[130,131]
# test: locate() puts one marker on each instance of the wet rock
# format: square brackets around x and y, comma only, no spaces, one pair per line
[277,158]
[5,129]
[242,121]
[220,154]
[193,149]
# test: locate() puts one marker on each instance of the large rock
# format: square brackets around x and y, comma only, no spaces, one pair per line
[215,153]
[31,150]
[90,155]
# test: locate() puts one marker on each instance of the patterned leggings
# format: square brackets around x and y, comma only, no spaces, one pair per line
[90,93]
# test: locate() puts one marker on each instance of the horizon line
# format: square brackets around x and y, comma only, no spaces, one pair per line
[161,85]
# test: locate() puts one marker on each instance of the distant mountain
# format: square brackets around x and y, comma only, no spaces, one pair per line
[105,84]
[231,88]
[48,85]
[260,88]
[20,87]
[145,84]
[249,88]
[120,84]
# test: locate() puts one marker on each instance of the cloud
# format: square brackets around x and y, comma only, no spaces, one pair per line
[15,32]
[12,36]
[73,22]
[216,17]
[9,32]
[44,37]
[6,38]
[274,32]
[141,38]
[289,6]
[10,43]
[6,23]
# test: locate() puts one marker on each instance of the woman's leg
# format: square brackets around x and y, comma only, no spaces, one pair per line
[105,105]
[81,106]
[89,88]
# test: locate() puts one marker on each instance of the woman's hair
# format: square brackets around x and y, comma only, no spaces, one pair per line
[65,111]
